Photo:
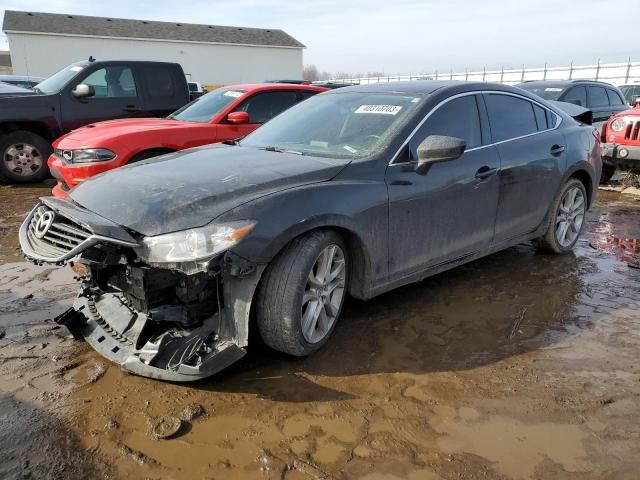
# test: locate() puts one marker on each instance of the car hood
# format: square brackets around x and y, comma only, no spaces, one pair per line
[112,129]
[191,188]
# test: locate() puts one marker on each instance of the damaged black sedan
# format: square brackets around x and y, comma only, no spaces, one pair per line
[355,191]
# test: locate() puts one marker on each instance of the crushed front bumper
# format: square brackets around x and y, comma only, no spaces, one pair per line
[156,322]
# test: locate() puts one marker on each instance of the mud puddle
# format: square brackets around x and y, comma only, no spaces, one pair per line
[518,366]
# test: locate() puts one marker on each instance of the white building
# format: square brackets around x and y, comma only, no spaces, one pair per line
[43,43]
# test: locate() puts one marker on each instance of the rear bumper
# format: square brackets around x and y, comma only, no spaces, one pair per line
[621,156]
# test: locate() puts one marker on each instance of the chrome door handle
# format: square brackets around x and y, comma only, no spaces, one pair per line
[557,150]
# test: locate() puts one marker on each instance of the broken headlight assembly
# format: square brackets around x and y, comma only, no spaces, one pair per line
[189,251]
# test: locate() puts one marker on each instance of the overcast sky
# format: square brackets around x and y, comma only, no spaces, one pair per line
[400,36]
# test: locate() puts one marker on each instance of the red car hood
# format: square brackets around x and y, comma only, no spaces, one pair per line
[96,133]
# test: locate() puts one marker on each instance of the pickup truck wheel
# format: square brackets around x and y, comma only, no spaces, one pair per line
[566,219]
[24,157]
[607,173]
[301,295]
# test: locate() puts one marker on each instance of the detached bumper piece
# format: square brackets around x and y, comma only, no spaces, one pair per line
[128,339]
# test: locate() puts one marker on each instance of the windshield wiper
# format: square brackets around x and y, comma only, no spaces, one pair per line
[270,148]
[233,143]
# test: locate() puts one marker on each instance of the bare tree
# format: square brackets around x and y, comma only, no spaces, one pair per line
[310,72]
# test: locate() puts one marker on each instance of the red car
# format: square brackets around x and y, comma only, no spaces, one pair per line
[227,113]
[621,142]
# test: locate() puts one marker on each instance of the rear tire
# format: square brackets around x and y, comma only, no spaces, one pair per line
[566,219]
[294,312]
[607,172]
[23,157]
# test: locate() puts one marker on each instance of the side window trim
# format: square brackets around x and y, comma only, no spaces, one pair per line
[482,109]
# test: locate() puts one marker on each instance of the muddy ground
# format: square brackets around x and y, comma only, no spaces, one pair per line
[518,366]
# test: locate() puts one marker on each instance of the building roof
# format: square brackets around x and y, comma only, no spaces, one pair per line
[50,23]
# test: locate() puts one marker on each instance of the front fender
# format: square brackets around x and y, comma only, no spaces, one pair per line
[358,210]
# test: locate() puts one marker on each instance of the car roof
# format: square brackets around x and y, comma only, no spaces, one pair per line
[424,87]
[563,83]
[274,86]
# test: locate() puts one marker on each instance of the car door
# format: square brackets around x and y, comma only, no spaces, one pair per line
[117,95]
[450,211]
[261,107]
[532,155]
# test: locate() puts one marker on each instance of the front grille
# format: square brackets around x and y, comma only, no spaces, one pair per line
[58,238]
[633,131]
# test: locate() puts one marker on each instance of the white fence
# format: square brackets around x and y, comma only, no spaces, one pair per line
[614,73]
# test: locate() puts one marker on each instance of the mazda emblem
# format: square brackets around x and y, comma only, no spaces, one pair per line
[44,223]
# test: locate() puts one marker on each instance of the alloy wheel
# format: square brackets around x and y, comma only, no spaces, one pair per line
[570,217]
[323,294]
[23,159]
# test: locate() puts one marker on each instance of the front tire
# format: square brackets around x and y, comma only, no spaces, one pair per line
[302,293]
[24,157]
[566,219]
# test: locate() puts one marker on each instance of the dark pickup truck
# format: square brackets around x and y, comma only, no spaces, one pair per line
[82,93]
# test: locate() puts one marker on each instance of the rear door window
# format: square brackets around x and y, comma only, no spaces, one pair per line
[159,81]
[541,117]
[598,97]
[577,95]
[262,107]
[510,117]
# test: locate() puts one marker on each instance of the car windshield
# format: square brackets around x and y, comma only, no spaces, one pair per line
[204,108]
[344,125]
[57,81]
[546,92]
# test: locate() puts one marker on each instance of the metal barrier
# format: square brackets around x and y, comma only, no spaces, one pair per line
[614,73]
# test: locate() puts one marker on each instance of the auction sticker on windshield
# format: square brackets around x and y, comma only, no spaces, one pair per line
[379,109]
[233,93]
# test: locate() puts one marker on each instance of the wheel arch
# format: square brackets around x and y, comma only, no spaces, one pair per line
[37,128]
[586,180]
[161,150]
[360,273]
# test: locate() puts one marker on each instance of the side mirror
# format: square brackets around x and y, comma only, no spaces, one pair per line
[575,101]
[635,101]
[238,117]
[83,91]
[436,149]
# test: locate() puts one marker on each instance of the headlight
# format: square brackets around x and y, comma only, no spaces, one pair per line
[193,245]
[617,125]
[89,155]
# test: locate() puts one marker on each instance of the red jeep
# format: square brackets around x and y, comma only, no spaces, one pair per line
[227,113]
[621,142]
